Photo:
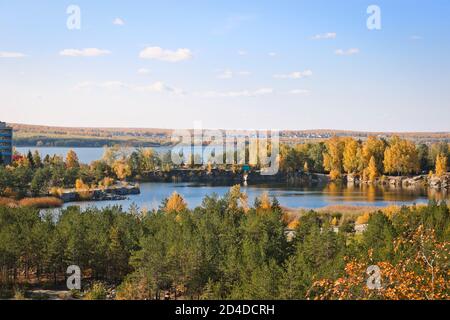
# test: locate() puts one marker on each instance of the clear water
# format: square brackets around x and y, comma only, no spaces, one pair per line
[152,194]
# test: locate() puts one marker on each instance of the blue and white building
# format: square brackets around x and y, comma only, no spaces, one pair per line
[6,135]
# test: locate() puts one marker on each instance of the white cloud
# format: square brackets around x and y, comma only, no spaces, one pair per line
[158,53]
[294,75]
[302,92]
[118,22]
[237,94]
[242,52]
[415,38]
[143,71]
[324,36]
[88,52]
[229,74]
[272,54]
[6,54]
[157,87]
[349,52]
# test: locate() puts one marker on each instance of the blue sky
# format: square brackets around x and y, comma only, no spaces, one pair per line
[230,64]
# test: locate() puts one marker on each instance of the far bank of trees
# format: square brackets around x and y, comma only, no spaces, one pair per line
[368,159]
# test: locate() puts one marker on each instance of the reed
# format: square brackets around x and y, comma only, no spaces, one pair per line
[41,203]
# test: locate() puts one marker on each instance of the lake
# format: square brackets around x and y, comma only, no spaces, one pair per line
[85,155]
[152,194]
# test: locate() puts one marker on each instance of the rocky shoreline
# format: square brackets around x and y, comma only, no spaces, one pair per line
[230,177]
[116,192]
[430,181]
[305,178]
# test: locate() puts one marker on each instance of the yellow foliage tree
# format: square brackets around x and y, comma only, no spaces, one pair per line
[373,147]
[237,199]
[372,169]
[363,219]
[72,160]
[351,156]
[332,158]
[334,222]
[265,203]
[83,189]
[401,157]
[175,203]
[441,165]
[422,275]
[306,167]
[121,169]
[293,224]
[80,185]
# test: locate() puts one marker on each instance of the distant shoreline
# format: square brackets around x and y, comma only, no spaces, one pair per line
[83,137]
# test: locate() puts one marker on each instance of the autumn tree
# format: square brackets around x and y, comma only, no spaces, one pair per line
[373,147]
[401,157]
[175,203]
[333,157]
[352,156]
[264,202]
[121,169]
[372,170]
[72,160]
[420,275]
[441,165]
[237,199]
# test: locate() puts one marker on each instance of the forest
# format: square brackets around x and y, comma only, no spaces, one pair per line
[225,249]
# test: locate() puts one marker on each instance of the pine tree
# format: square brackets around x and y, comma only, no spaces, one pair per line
[30,159]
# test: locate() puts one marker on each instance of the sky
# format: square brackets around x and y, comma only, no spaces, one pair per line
[253,64]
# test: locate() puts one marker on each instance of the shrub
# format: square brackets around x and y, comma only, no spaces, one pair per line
[363,219]
[97,292]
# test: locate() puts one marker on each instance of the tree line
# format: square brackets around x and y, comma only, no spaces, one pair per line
[369,159]
[227,249]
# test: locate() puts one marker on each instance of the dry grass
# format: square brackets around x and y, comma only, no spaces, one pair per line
[45,202]
[8,202]
[40,203]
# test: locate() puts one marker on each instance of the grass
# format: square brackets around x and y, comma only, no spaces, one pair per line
[40,203]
